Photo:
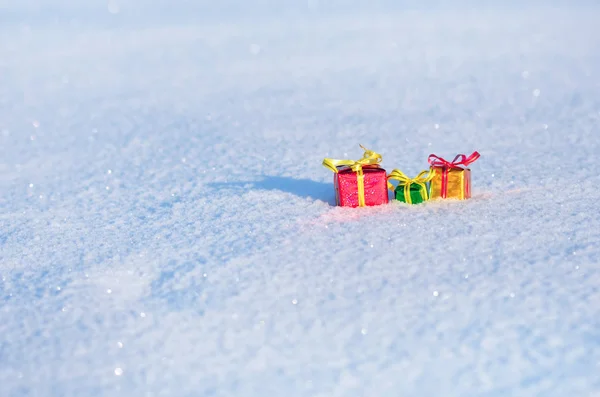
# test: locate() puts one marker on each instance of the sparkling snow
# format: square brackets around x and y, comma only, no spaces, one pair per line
[167,229]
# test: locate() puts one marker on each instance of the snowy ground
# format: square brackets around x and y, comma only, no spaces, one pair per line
[167,229]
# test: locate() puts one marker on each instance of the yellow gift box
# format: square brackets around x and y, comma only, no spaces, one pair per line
[451,180]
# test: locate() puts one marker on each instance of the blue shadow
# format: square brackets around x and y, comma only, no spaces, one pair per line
[305,188]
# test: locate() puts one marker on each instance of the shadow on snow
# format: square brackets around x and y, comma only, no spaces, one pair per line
[304,188]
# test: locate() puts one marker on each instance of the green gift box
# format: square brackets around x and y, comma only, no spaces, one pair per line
[411,191]
[417,194]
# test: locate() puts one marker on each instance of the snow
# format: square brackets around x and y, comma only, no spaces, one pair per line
[167,229]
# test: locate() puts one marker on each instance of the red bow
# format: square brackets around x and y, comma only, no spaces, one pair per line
[459,160]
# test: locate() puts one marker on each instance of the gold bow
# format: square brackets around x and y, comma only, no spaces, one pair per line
[420,180]
[369,158]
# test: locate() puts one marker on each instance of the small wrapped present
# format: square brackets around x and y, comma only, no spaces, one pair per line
[359,183]
[411,191]
[451,179]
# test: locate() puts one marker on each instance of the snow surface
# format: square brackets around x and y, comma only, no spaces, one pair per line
[167,229]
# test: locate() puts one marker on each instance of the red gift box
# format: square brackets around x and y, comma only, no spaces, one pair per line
[374,182]
[359,183]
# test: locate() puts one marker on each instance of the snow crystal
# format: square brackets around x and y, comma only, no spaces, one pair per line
[254,49]
[113,7]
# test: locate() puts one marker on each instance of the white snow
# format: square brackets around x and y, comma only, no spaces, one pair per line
[167,229]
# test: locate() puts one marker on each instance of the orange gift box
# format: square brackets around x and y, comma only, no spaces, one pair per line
[451,180]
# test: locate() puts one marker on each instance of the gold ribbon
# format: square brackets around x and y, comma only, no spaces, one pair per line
[369,158]
[420,180]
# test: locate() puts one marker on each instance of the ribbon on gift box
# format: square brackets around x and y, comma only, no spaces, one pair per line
[420,180]
[460,161]
[369,158]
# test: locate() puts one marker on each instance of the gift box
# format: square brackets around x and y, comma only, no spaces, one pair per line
[451,179]
[410,190]
[359,183]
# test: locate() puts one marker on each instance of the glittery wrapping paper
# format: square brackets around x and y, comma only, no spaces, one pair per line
[459,183]
[346,187]
[416,193]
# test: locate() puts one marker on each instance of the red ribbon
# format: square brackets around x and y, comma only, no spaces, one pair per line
[459,161]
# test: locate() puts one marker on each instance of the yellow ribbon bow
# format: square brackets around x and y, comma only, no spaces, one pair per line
[369,158]
[420,180]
